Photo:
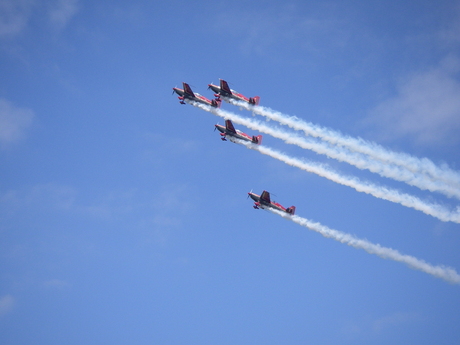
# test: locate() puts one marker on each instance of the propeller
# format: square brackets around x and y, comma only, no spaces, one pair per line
[248,194]
[215,126]
[173,89]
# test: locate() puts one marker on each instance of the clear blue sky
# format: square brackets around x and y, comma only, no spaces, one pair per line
[124,218]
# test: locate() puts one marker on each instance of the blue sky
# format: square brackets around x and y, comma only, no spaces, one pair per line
[124,218]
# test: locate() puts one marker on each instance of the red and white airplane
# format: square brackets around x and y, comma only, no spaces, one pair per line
[263,201]
[187,93]
[225,91]
[229,131]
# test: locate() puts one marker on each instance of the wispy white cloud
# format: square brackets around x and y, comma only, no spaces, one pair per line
[286,26]
[426,106]
[13,122]
[450,34]
[14,15]
[64,198]
[129,13]
[57,196]
[56,284]
[376,326]
[394,320]
[62,11]
[170,202]
[6,304]
[162,208]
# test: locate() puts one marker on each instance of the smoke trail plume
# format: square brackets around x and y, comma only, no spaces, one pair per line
[377,191]
[447,273]
[421,173]
[381,192]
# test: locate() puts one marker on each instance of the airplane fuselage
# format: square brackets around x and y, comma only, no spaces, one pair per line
[187,93]
[237,135]
[196,97]
[233,94]
[260,203]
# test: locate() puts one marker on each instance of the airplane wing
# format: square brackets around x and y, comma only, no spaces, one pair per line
[188,90]
[229,126]
[224,86]
[265,197]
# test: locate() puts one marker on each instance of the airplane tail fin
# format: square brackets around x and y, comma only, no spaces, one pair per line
[291,210]
[188,89]
[254,100]
[216,103]
[257,139]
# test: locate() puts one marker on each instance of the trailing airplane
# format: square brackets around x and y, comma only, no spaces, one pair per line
[263,201]
[187,93]
[229,131]
[225,91]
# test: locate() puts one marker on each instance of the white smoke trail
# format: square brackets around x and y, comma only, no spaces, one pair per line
[447,273]
[421,173]
[380,192]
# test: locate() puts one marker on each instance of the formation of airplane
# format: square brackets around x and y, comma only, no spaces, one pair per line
[224,90]
[263,201]
[187,93]
[228,131]
[260,201]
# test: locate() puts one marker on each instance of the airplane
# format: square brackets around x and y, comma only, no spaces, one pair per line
[187,93]
[263,201]
[225,91]
[231,132]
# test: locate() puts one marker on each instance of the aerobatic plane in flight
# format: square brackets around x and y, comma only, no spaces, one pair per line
[187,93]
[225,91]
[263,201]
[229,131]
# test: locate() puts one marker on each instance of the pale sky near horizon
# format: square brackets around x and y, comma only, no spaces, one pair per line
[125,219]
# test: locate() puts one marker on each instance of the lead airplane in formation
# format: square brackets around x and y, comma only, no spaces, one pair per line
[187,93]
[224,90]
[228,131]
[263,201]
